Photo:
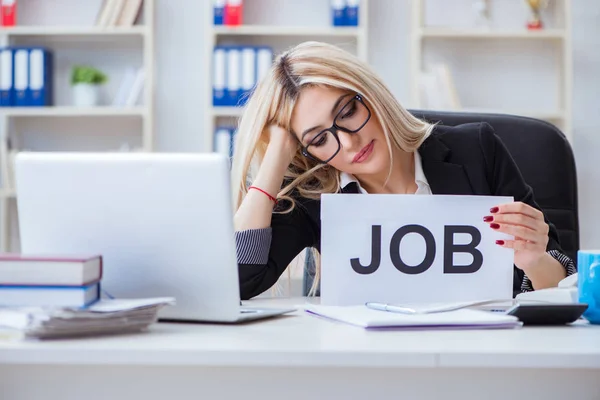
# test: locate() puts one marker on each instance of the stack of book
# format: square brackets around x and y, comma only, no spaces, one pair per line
[119,13]
[49,281]
[44,297]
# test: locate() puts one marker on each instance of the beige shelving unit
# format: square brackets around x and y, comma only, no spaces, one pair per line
[278,36]
[552,36]
[74,39]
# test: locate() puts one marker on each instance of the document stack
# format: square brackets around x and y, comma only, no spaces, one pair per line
[108,316]
[50,297]
[26,76]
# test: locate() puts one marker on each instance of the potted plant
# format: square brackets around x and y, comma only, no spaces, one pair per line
[86,82]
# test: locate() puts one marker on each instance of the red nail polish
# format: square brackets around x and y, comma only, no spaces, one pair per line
[488,218]
[500,242]
[494,226]
[494,210]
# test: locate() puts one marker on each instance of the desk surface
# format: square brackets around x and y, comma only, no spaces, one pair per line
[300,339]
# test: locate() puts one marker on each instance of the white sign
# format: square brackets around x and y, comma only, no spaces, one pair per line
[412,249]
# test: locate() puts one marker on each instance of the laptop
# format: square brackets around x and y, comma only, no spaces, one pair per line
[162,222]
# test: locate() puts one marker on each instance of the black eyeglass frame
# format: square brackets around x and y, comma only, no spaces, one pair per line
[333,129]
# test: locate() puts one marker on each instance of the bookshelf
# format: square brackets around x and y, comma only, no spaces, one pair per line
[540,60]
[70,29]
[279,25]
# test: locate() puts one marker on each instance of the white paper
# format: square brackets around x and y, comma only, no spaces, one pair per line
[346,233]
[108,316]
[367,318]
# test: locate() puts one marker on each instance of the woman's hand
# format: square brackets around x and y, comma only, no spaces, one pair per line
[282,144]
[529,229]
[257,206]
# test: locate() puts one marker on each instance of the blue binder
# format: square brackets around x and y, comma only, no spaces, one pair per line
[338,11]
[219,74]
[22,92]
[352,8]
[264,60]
[218,11]
[222,141]
[233,76]
[248,73]
[40,77]
[233,134]
[6,77]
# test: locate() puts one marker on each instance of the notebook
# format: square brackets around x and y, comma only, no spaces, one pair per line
[367,318]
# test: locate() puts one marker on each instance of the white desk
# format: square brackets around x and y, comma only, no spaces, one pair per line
[300,357]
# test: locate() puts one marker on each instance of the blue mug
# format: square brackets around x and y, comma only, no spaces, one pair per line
[588,283]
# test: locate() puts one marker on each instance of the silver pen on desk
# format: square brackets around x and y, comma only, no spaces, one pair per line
[390,308]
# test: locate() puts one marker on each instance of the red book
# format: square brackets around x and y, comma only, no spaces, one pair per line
[9,12]
[233,12]
[48,270]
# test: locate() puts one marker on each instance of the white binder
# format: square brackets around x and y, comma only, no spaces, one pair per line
[264,60]
[21,83]
[223,141]
[233,76]
[219,95]
[248,72]
[6,77]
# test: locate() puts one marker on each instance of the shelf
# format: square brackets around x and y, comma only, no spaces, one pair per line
[227,111]
[67,111]
[555,34]
[65,31]
[274,30]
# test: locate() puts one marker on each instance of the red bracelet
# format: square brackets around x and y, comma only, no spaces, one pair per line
[273,199]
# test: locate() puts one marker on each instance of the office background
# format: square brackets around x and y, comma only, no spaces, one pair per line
[180,109]
[510,74]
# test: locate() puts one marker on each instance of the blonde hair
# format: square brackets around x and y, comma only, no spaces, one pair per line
[273,101]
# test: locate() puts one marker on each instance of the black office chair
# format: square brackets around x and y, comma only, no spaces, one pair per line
[545,158]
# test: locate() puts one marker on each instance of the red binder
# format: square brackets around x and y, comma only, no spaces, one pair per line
[233,12]
[9,12]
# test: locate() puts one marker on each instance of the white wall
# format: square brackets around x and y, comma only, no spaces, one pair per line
[180,101]
[586,115]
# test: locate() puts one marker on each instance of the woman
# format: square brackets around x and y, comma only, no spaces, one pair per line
[322,122]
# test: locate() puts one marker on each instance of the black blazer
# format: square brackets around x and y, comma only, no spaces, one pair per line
[468,159]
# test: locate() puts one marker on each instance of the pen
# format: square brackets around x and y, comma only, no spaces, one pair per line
[390,308]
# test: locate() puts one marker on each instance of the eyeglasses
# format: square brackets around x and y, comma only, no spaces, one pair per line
[325,145]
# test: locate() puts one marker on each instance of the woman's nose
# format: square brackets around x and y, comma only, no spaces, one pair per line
[347,140]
